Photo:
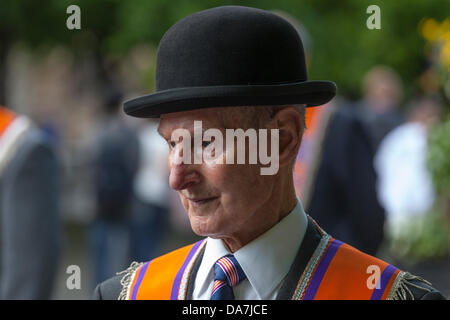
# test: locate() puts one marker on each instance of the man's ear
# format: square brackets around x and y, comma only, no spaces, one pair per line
[290,125]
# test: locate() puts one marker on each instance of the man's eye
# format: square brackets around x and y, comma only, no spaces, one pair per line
[172,144]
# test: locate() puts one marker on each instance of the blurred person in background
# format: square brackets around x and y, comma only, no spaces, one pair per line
[379,108]
[151,209]
[30,222]
[339,173]
[115,164]
[334,169]
[404,184]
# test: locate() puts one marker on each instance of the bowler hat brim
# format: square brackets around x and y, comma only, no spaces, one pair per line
[311,93]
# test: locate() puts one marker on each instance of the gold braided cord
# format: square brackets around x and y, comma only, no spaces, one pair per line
[187,273]
[306,276]
[127,279]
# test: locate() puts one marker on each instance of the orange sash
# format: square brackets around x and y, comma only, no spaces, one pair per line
[336,271]
[341,272]
[165,277]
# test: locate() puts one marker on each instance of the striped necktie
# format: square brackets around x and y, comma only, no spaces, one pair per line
[227,274]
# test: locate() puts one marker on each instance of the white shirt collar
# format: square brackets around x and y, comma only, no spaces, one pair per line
[266,260]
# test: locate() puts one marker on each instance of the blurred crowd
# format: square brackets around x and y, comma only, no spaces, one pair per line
[362,168]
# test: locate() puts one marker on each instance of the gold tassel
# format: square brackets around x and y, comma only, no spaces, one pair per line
[127,279]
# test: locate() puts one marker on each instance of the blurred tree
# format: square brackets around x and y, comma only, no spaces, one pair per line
[22,21]
[41,26]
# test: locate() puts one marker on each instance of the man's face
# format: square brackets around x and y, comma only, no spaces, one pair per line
[221,199]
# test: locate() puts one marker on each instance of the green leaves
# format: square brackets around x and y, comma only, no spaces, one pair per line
[438,158]
[428,236]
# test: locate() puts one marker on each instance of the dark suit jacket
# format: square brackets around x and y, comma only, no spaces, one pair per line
[343,197]
[110,289]
[29,220]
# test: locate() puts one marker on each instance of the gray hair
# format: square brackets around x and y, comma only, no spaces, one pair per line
[272,110]
[258,116]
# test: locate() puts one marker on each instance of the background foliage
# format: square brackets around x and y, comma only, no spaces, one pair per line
[342,47]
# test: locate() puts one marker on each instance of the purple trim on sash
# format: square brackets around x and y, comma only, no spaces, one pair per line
[321,270]
[384,280]
[177,281]
[139,280]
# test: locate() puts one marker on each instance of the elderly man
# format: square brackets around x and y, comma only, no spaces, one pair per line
[243,69]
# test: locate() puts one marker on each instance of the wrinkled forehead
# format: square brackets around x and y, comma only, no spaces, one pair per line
[210,118]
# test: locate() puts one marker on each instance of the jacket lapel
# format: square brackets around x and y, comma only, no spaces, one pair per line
[309,244]
[193,275]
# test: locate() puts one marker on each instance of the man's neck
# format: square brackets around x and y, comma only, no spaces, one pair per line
[272,212]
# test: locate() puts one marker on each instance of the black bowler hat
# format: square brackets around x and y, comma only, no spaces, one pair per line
[230,56]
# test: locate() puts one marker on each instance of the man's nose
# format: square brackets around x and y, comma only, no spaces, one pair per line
[182,175]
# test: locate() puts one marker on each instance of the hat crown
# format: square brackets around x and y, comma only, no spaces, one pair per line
[230,45]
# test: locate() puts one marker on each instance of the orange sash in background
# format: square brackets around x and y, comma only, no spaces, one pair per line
[6,118]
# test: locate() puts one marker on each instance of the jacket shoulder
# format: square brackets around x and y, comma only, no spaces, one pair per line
[405,286]
[116,288]
[109,289]
[411,287]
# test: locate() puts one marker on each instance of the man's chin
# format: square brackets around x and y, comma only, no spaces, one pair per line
[204,229]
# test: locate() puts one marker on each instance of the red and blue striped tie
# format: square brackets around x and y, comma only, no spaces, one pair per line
[227,274]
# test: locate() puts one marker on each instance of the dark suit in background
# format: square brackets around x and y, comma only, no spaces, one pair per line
[30,226]
[343,197]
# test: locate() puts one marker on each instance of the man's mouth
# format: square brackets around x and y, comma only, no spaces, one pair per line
[201,201]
